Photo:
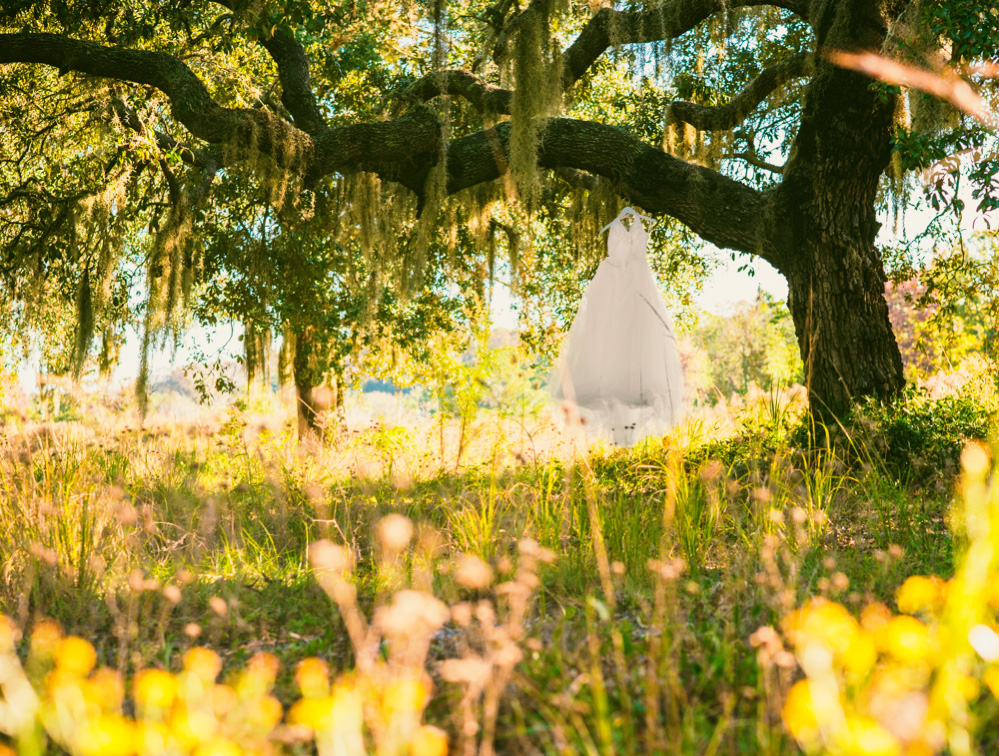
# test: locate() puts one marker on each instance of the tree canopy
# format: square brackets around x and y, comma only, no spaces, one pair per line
[242,158]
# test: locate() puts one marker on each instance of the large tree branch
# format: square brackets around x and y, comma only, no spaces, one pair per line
[665,21]
[241,129]
[719,209]
[484,97]
[190,101]
[607,27]
[734,112]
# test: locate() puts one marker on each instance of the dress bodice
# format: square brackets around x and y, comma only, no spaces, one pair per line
[625,244]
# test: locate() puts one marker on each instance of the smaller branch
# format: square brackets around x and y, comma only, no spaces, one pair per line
[130,119]
[735,111]
[293,71]
[754,161]
[484,97]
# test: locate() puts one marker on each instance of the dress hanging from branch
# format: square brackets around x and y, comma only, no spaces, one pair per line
[620,365]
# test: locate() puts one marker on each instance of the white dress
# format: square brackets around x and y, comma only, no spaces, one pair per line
[620,363]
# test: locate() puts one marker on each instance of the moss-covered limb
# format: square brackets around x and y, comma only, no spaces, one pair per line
[665,21]
[735,111]
[403,147]
[341,149]
[484,97]
[719,209]
[191,103]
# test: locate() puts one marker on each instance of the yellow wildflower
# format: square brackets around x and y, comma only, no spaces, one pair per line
[874,616]
[405,695]
[799,713]
[45,638]
[907,639]
[218,747]
[313,677]
[108,687]
[822,622]
[991,679]
[203,663]
[75,656]
[265,713]
[919,594]
[347,702]
[224,700]
[154,689]
[314,713]
[105,735]
[259,675]
[871,739]
[151,738]
[861,656]
[428,741]
[192,727]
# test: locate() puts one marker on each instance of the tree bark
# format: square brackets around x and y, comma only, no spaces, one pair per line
[826,202]
[313,396]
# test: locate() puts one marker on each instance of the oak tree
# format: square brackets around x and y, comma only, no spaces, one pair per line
[745,131]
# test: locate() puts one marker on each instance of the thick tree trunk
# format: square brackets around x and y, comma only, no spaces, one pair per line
[825,222]
[314,397]
[836,298]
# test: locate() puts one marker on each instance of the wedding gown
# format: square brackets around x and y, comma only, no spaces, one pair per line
[620,363]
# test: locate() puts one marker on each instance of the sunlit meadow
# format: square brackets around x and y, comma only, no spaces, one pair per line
[489,583]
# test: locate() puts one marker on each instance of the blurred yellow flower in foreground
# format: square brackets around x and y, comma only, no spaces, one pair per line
[151,738]
[259,675]
[218,747]
[822,622]
[313,677]
[203,663]
[869,738]
[45,638]
[920,593]
[799,713]
[154,689]
[314,713]
[407,695]
[108,688]
[105,735]
[428,741]
[75,656]
[907,639]
[265,714]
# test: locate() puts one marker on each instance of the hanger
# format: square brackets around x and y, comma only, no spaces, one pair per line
[626,212]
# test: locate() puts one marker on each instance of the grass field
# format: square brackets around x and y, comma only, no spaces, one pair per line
[531,596]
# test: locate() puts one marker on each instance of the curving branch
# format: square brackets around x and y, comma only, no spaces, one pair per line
[721,210]
[484,97]
[665,21]
[190,101]
[734,112]
[607,27]
[340,149]
[754,161]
